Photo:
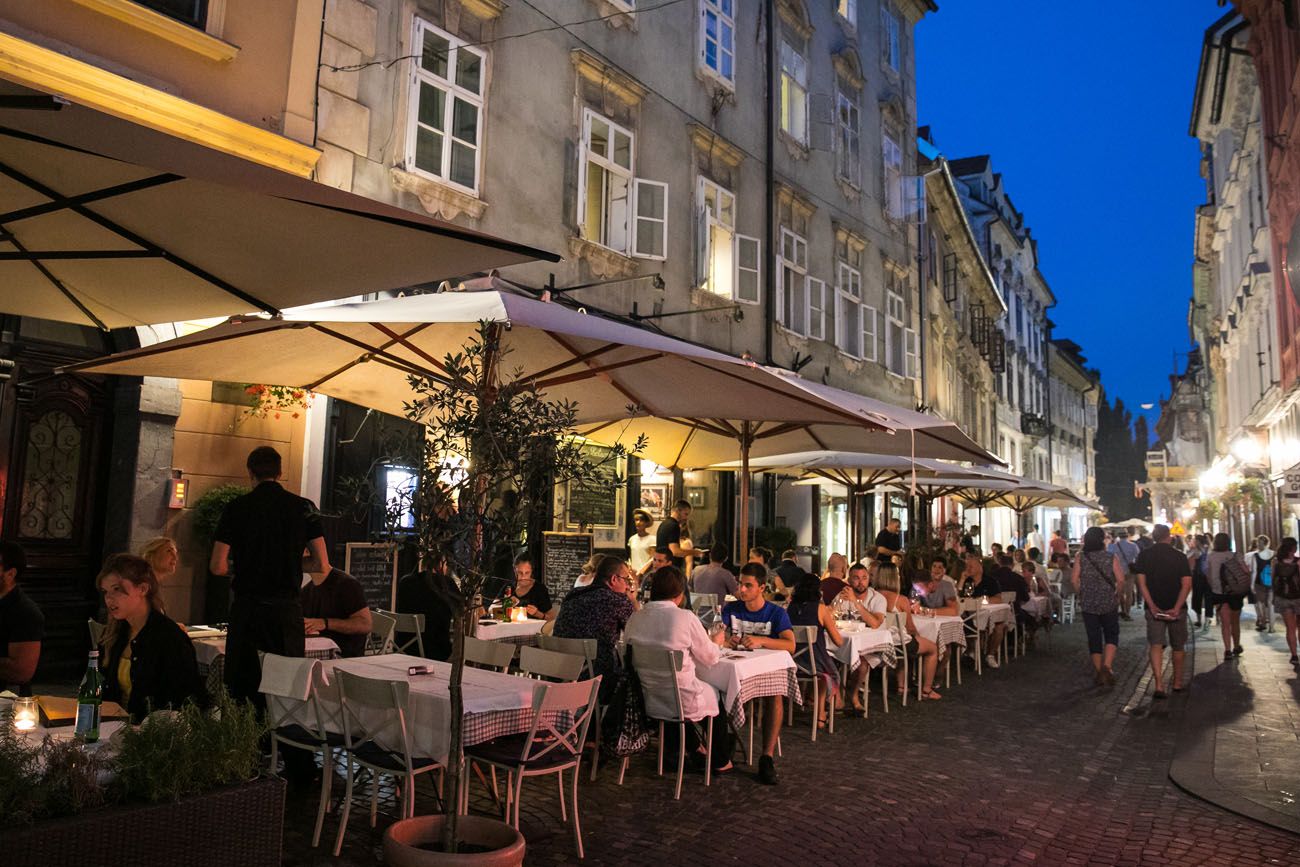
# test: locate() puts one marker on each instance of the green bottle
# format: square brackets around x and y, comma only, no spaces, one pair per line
[89,697]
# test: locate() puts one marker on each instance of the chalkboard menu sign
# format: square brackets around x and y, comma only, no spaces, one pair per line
[374,564]
[563,556]
[596,502]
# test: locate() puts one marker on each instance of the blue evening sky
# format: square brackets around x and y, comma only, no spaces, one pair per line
[1084,108]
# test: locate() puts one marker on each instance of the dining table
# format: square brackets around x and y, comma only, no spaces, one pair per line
[209,650]
[993,613]
[942,629]
[862,644]
[514,631]
[743,675]
[1038,607]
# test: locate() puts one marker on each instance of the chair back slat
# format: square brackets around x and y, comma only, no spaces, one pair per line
[1009,596]
[381,633]
[406,624]
[571,703]
[704,602]
[290,701]
[896,621]
[388,697]
[496,655]
[971,604]
[661,661]
[551,664]
[805,639]
[584,647]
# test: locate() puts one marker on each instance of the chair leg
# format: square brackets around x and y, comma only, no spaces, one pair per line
[577,825]
[275,756]
[622,769]
[595,749]
[347,811]
[708,753]
[749,752]
[884,682]
[816,706]
[907,678]
[518,796]
[559,778]
[661,749]
[681,759]
[831,701]
[326,783]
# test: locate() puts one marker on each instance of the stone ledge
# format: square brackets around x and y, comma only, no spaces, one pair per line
[438,199]
[603,261]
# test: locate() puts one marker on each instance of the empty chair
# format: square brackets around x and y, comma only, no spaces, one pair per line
[562,713]
[406,624]
[584,647]
[293,712]
[701,602]
[494,655]
[551,664]
[384,701]
[382,627]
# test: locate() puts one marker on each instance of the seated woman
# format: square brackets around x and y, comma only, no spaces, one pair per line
[147,660]
[926,650]
[163,556]
[531,593]
[806,608]
[663,624]
[600,611]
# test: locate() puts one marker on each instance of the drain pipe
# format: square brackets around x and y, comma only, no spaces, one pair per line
[769,281]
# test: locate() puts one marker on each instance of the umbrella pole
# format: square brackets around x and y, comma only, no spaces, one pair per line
[746,439]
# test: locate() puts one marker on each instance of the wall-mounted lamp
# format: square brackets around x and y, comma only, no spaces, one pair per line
[178,490]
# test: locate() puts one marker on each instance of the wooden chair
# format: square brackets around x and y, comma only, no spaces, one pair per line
[386,700]
[406,624]
[669,663]
[550,664]
[382,627]
[808,671]
[493,655]
[551,746]
[298,721]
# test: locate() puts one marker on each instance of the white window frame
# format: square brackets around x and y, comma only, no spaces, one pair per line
[634,217]
[848,309]
[848,164]
[794,77]
[816,309]
[870,333]
[716,10]
[453,92]
[911,354]
[848,11]
[711,224]
[795,296]
[747,249]
[892,172]
[895,312]
[891,41]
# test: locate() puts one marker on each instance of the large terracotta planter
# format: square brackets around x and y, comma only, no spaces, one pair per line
[403,836]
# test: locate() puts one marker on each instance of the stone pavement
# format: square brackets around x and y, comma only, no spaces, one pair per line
[1029,764]
[1240,743]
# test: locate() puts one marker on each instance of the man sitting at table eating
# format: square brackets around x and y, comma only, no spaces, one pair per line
[22,625]
[664,625]
[940,597]
[753,623]
[981,584]
[334,606]
[865,601]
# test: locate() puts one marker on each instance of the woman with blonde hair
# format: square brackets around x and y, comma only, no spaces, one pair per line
[886,582]
[163,556]
[147,660]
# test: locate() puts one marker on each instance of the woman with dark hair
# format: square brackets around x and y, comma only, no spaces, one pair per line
[600,611]
[1228,604]
[806,608]
[1286,591]
[926,650]
[1098,579]
[1198,553]
[147,659]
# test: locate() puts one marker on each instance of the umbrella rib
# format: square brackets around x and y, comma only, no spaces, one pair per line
[596,371]
[59,284]
[127,234]
[402,339]
[555,368]
[378,353]
[64,202]
[33,255]
[616,385]
[690,436]
[826,407]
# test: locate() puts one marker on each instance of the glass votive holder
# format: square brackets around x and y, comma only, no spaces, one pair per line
[26,714]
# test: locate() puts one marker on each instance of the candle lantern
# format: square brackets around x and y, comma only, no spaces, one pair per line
[26,716]
[518,615]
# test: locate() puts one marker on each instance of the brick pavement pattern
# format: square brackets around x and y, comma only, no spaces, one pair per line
[1030,764]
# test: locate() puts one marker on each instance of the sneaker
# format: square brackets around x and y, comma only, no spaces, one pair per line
[1238,650]
[991,661]
[1227,657]
[766,771]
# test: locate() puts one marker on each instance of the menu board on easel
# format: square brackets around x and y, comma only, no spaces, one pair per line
[374,564]
[563,556]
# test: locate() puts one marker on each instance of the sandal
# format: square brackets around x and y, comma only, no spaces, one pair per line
[931,696]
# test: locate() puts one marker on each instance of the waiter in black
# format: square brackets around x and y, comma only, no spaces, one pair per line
[263,534]
[889,543]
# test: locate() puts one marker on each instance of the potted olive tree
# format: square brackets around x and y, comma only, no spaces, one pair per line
[493,446]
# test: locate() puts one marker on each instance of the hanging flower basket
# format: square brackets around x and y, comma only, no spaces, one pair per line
[276,401]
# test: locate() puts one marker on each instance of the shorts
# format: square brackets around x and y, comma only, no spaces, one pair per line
[1282,605]
[1234,601]
[1172,633]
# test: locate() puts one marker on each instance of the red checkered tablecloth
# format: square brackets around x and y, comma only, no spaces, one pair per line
[780,683]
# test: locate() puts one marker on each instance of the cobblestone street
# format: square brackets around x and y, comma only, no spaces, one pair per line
[1030,764]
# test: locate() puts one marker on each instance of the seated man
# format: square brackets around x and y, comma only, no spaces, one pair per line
[430,592]
[334,606]
[870,606]
[979,584]
[940,597]
[662,624]
[714,578]
[22,625]
[753,622]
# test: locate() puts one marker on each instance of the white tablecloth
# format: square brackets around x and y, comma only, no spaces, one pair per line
[863,644]
[522,632]
[1038,606]
[744,675]
[208,649]
[942,630]
[994,613]
[495,704]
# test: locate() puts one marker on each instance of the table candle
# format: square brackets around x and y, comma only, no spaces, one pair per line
[25,714]
[518,615]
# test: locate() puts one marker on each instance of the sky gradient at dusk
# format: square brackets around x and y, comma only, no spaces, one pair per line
[1084,109]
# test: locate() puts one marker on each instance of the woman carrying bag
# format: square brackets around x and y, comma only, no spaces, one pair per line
[1098,578]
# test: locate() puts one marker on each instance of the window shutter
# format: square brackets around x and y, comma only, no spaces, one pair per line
[912,343]
[703,254]
[584,143]
[780,292]
[650,232]
[799,305]
[748,264]
[869,321]
[816,309]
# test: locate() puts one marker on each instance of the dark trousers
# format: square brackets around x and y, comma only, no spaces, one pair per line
[260,625]
[1201,604]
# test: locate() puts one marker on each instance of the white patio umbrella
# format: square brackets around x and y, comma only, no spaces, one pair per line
[618,375]
[107,223]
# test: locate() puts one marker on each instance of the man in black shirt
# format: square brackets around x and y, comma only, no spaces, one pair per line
[788,573]
[334,605]
[889,543]
[669,534]
[22,625]
[430,592]
[1164,579]
[264,533]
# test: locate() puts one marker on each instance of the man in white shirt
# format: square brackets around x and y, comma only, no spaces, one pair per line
[641,544]
[1034,539]
[664,625]
[870,607]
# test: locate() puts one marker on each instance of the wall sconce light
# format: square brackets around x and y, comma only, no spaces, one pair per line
[178,490]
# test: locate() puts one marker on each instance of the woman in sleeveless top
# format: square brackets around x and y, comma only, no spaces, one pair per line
[807,609]
[1098,578]
[1286,591]
[926,650]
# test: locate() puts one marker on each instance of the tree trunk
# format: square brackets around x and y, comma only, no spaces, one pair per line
[451,791]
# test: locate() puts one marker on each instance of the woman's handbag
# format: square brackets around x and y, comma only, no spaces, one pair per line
[625,730]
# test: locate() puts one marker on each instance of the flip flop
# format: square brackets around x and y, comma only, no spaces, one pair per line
[1159,695]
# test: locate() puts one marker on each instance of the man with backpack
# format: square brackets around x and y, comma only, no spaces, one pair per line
[1127,552]
[1261,575]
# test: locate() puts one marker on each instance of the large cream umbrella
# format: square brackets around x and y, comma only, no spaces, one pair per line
[107,223]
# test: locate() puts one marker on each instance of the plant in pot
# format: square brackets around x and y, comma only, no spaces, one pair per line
[492,448]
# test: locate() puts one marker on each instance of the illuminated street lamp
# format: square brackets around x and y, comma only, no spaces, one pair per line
[1247,449]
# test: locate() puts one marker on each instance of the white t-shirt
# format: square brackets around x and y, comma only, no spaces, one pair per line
[642,549]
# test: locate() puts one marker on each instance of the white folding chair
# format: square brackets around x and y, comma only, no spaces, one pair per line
[296,720]
[896,622]
[382,627]
[406,624]
[385,700]
[550,664]
[1015,634]
[669,663]
[807,671]
[584,647]
[494,655]
[562,713]
[967,608]
[702,602]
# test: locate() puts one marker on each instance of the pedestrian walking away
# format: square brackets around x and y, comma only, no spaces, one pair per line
[1286,591]
[1164,580]
[1127,552]
[1261,582]
[1098,577]
[1229,580]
